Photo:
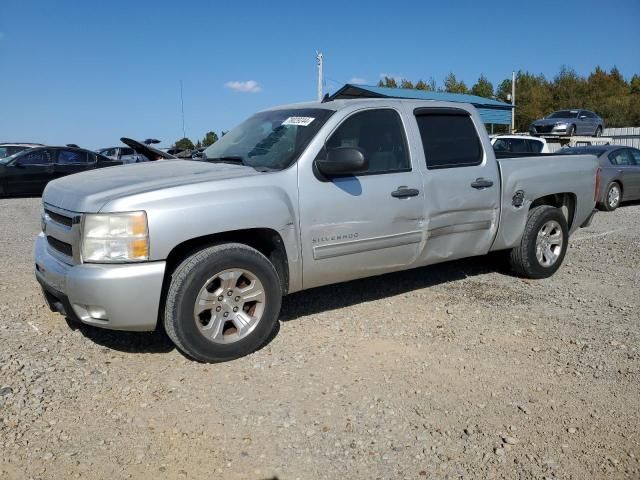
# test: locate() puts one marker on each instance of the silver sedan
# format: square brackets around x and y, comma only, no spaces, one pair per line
[620,173]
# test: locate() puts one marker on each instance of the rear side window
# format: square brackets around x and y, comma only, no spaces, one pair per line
[635,154]
[69,157]
[449,140]
[535,146]
[380,136]
[621,157]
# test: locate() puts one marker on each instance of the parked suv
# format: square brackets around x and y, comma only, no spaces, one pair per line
[569,123]
[29,171]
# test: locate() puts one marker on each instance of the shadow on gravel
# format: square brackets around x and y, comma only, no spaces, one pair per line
[341,295]
[128,342]
[316,300]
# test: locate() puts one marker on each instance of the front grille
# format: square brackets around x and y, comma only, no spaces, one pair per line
[62,247]
[61,219]
[544,128]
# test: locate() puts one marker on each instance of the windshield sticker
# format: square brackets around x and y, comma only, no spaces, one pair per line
[300,121]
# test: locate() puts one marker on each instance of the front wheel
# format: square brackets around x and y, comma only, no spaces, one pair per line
[543,244]
[222,302]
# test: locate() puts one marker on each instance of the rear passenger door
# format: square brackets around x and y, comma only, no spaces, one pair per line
[70,161]
[462,185]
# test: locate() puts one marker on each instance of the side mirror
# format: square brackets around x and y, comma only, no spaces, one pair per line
[18,164]
[342,161]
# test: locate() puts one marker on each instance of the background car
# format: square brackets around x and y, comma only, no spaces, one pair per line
[620,173]
[29,171]
[8,149]
[519,144]
[122,154]
[569,123]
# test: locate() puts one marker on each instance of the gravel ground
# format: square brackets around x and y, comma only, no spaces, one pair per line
[453,371]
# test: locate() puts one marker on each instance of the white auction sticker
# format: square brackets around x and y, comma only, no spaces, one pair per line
[301,121]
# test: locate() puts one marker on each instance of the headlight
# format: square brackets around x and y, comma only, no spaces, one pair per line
[560,124]
[115,237]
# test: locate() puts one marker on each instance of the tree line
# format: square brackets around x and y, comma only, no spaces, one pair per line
[608,94]
[209,139]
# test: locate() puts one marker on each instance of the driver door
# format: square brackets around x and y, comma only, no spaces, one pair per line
[29,173]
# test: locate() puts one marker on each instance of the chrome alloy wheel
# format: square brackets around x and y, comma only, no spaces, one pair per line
[613,196]
[229,306]
[549,243]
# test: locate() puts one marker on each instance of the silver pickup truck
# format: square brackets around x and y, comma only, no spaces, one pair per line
[293,198]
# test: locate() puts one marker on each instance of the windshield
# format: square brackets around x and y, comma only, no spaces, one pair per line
[564,114]
[8,150]
[270,140]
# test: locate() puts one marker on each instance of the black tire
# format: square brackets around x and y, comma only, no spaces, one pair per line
[186,284]
[598,132]
[523,257]
[572,131]
[609,204]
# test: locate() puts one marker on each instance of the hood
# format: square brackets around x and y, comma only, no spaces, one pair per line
[90,191]
[553,121]
[147,150]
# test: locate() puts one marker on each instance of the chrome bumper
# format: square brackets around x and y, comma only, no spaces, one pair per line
[117,297]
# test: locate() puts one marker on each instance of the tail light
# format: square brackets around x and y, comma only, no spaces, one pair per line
[596,192]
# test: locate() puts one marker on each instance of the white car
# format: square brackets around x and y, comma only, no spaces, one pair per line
[8,149]
[519,144]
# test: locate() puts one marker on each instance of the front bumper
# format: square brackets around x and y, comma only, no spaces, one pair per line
[117,297]
[545,130]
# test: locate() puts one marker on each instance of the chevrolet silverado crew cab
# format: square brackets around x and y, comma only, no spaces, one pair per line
[297,197]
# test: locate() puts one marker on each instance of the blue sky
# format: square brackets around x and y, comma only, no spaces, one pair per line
[89,72]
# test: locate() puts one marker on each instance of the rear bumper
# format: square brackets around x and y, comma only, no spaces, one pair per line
[117,297]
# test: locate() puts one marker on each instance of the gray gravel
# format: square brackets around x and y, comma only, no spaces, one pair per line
[453,371]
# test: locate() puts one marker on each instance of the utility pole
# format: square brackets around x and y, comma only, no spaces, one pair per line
[513,101]
[184,133]
[320,61]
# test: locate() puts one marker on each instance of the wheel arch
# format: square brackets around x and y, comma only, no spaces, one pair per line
[566,202]
[265,240]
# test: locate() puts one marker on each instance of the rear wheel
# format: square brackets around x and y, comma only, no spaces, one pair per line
[613,197]
[222,303]
[543,244]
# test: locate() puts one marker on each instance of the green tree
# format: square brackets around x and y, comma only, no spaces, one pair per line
[483,88]
[209,139]
[388,82]
[452,85]
[503,92]
[635,84]
[404,83]
[420,85]
[198,144]
[184,143]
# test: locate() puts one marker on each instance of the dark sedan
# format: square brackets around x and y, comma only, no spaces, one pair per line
[29,171]
[620,173]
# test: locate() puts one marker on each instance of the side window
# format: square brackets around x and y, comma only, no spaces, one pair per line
[535,146]
[501,145]
[635,154]
[519,146]
[127,151]
[449,140]
[620,157]
[39,157]
[70,157]
[380,136]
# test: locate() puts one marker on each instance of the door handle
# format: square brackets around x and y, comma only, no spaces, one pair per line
[405,192]
[481,183]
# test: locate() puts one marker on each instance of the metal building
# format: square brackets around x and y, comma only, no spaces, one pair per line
[491,111]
